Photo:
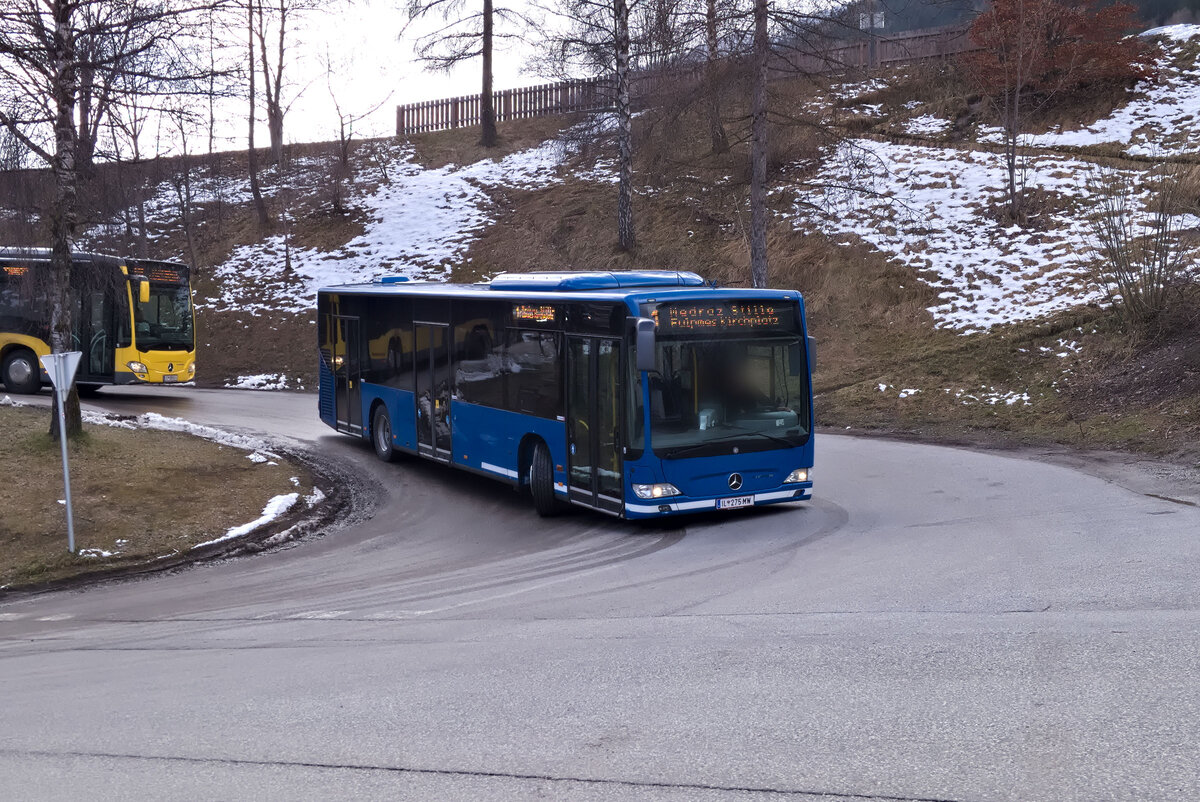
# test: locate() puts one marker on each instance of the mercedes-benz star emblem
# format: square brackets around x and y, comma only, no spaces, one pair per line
[170,367]
[735,481]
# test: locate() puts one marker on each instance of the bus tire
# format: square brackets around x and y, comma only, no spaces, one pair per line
[22,373]
[381,433]
[541,482]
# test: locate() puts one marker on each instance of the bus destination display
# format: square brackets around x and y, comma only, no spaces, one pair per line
[726,316]
[534,313]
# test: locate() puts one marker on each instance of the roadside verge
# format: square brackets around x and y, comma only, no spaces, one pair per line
[150,493]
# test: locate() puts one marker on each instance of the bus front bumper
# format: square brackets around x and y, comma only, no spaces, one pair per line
[642,508]
[152,377]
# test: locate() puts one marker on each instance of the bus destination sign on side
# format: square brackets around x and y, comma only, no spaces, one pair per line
[534,313]
[725,316]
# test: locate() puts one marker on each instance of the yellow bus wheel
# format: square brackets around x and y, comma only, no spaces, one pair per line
[21,372]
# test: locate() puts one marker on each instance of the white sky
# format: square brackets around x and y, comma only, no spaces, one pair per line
[371,62]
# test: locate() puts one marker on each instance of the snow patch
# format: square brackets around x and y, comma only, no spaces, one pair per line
[263,381]
[153,420]
[276,507]
[991,397]
[926,125]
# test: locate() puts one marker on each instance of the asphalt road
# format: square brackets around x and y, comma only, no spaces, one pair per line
[938,624]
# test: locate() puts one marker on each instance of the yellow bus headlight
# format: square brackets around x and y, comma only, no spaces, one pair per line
[137,367]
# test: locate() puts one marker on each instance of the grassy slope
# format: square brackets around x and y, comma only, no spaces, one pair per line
[122,481]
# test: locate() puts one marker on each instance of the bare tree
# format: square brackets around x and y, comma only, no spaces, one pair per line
[272,22]
[466,33]
[260,206]
[594,38]
[712,86]
[347,123]
[41,63]
[13,152]
[1138,233]
[183,122]
[758,149]
[1029,51]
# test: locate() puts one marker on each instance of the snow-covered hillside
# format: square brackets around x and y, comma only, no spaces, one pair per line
[930,207]
[933,208]
[1162,118]
[418,222]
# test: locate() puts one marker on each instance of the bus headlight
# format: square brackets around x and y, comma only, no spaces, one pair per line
[661,490]
[798,475]
[137,367]
[191,368]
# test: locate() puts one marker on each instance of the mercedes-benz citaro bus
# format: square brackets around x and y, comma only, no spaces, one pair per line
[131,318]
[640,394]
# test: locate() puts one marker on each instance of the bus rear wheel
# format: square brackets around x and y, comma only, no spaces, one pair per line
[381,434]
[21,373]
[541,482]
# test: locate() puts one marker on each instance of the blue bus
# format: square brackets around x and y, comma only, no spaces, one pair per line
[639,394]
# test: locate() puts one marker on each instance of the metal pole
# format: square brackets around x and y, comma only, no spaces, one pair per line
[62,440]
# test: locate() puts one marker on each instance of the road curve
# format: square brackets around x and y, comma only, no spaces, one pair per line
[938,624]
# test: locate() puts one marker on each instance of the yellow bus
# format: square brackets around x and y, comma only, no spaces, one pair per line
[131,318]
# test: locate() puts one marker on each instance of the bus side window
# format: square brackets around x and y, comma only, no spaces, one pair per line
[535,380]
[479,365]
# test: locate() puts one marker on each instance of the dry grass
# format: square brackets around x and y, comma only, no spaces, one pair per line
[461,146]
[238,343]
[141,493]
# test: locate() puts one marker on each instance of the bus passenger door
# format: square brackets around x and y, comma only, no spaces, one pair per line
[346,368]
[431,349]
[593,422]
[95,337]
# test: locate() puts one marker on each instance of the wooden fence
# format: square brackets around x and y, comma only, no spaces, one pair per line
[510,104]
[596,94]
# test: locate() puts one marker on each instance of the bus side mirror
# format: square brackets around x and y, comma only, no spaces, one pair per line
[143,292]
[812,352]
[646,356]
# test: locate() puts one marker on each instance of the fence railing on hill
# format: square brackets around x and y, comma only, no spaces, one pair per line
[510,104]
[595,94]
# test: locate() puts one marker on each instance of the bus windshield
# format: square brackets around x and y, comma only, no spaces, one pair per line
[728,396]
[165,321]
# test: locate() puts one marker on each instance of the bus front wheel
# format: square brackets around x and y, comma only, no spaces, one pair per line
[541,482]
[381,434]
[21,374]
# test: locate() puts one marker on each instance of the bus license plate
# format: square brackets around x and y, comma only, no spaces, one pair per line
[170,377]
[736,501]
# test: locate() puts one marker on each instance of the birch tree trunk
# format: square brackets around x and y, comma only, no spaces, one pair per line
[758,150]
[63,214]
[625,229]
